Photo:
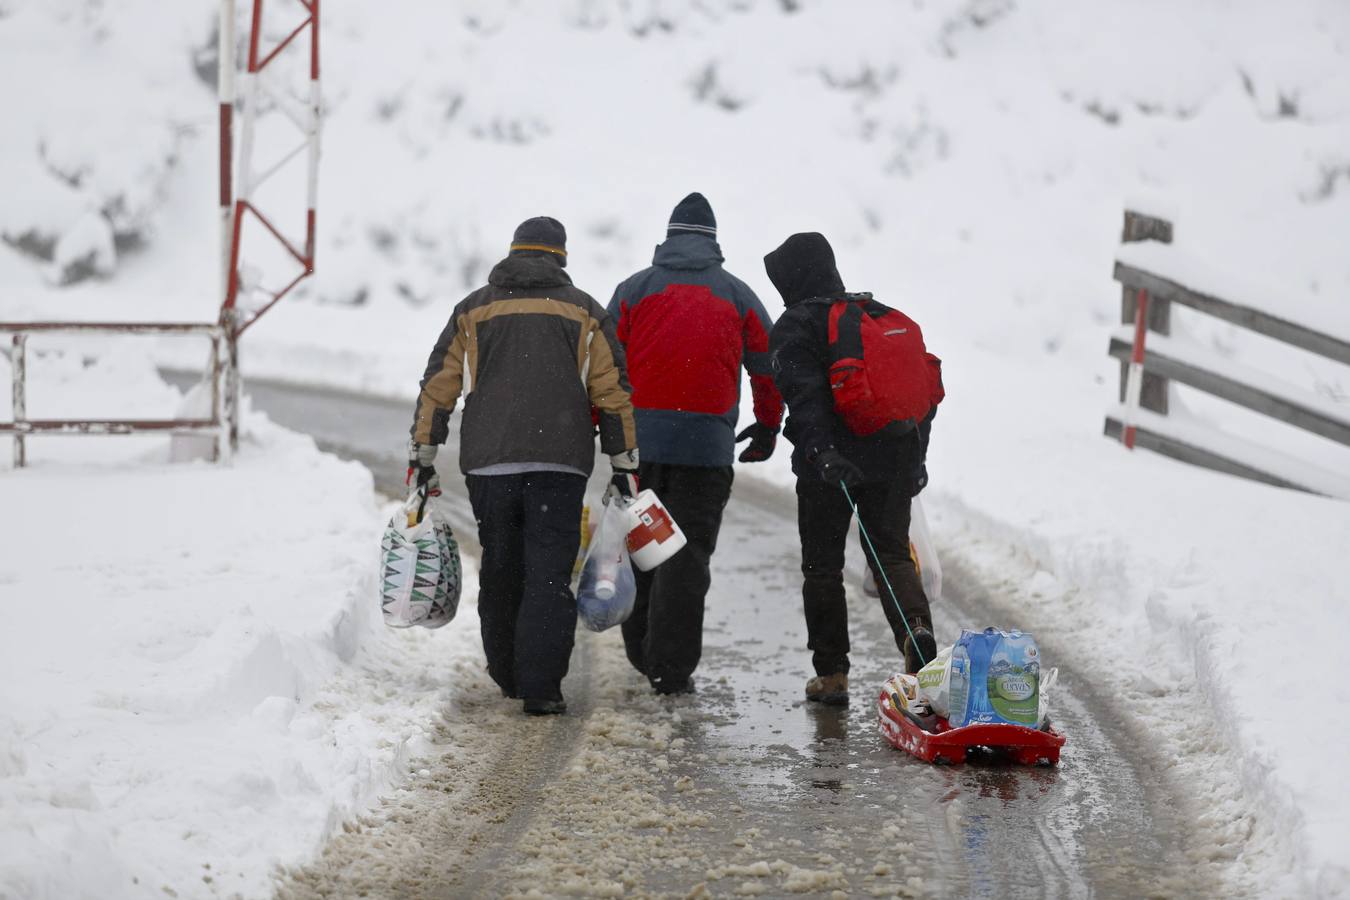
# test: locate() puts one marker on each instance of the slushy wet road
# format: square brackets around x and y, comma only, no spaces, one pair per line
[742,788]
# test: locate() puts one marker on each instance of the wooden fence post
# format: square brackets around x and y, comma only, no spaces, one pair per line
[19,395]
[1154,390]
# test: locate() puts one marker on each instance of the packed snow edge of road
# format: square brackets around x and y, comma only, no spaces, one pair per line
[218,694]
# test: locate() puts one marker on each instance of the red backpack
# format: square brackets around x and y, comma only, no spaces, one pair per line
[880,371]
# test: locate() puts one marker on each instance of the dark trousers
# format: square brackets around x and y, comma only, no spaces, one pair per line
[823,515]
[530,528]
[664,635]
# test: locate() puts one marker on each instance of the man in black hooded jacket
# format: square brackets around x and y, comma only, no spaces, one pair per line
[882,473]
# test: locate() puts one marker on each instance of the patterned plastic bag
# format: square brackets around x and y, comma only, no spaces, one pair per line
[420,577]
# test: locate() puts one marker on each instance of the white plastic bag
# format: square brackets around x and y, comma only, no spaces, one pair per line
[607,589]
[1048,680]
[922,552]
[925,554]
[935,682]
[420,578]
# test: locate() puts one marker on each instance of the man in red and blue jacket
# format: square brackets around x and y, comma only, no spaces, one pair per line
[688,327]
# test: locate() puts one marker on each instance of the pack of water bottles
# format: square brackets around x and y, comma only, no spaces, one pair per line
[989,676]
[607,588]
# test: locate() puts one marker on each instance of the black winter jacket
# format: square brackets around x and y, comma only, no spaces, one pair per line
[535,354]
[803,270]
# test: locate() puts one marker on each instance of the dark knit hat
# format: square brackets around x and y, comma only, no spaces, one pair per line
[542,234]
[692,214]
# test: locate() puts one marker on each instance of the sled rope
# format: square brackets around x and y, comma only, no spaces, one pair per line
[885,579]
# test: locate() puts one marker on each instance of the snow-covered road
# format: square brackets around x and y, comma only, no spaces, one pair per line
[744,788]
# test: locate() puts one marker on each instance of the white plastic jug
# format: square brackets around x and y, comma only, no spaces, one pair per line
[653,536]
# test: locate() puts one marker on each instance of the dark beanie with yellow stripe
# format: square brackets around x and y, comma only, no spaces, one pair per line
[542,234]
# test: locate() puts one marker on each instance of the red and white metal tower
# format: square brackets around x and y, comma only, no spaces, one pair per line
[235,207]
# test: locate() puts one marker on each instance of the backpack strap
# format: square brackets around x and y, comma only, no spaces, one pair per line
[846,330]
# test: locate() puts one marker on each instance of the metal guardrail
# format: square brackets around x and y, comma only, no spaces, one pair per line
[221,370]
[1146,374]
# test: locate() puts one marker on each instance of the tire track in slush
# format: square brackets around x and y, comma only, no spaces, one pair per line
[743,788]
[476,813]
[528,766]
[445,833]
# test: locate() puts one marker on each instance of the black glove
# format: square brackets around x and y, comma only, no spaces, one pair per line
[623,482]
[421,472]
[835,468]
[762,441]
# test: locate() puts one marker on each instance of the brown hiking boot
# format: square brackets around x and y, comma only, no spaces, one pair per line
[831,689]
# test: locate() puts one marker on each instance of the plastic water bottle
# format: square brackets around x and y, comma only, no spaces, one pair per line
[605,577]
[607,588]
[958,697]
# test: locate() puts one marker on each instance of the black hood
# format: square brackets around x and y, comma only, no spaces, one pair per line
[803,267]
[527,269]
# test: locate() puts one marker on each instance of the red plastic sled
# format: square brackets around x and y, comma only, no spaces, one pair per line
[932,740]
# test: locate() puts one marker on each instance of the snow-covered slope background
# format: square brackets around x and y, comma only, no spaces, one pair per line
[969,159]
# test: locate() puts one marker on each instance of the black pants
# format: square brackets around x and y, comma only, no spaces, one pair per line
[823,516]
[664,635]
[530,528]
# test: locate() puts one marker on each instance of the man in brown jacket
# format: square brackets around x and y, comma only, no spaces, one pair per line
[533,355]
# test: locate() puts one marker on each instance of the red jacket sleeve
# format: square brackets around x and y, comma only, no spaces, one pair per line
[755,327]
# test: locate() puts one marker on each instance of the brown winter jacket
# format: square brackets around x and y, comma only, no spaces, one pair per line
[533,354]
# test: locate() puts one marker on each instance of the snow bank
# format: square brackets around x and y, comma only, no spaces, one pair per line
[1196,597]
[195,684]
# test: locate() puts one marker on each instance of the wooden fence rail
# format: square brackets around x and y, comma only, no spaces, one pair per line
[1162,365]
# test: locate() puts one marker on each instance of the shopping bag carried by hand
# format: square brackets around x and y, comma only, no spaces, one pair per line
[607,589]
[924,553]
[420,575]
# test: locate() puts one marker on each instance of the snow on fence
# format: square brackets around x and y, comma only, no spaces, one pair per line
[221,369]
[1148,368]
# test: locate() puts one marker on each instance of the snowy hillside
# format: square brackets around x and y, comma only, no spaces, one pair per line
[969,159]
[972,158]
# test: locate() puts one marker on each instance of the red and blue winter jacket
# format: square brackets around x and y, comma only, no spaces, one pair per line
[688,326]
